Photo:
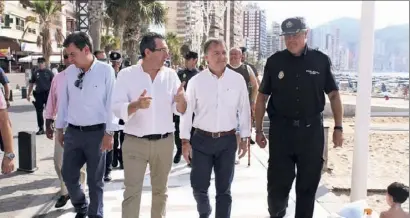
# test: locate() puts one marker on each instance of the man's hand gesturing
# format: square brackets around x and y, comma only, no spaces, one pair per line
[180,96]
[143,102]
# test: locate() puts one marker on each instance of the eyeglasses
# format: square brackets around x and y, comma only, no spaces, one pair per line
[65,57]
[162,49]
[79,82]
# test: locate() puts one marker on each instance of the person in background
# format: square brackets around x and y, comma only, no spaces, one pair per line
[7,164]
[84,105]
[397,194]
[191,58]
[145,97]
[244,55]
[41,78]
[50,115]
[100,55]
[220,100]
[4,81]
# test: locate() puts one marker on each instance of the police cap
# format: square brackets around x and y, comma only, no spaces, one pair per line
[191,55]
[41,60]
[293,25]
[115,56]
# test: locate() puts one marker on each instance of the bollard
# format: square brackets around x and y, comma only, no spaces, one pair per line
[325,149]
[23,92]
[11,95]
[27,152]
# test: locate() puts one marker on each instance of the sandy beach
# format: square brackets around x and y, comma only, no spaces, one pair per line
[388,160]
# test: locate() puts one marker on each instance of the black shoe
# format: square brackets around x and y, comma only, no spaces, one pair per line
[252,142]
[62,201]
[121,166]
[177,157]
[107,177]
[40,132]
[81,215]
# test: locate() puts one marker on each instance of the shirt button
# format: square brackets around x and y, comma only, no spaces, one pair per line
[297,88]
[297,99]
[297,75]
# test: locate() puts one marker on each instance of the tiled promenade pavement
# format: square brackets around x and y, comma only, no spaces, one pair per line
[248,190]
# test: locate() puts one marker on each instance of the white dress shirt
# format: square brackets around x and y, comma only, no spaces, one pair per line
[217,103]
[157,119]
[90,105]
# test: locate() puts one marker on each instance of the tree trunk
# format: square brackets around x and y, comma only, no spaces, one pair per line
[119,33]
[95,14]
[46,45]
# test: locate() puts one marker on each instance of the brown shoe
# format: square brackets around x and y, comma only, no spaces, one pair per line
[62,201]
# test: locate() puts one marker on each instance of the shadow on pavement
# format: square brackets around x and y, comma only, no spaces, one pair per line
[23,201]
[54,213]
[13,174]
[21,108]
[38,184]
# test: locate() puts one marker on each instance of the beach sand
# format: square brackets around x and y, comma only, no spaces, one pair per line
[388,161]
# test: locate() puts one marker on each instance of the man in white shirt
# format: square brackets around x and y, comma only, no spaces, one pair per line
[145,97]
[217,96]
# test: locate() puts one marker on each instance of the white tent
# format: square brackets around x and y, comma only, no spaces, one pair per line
[55,59]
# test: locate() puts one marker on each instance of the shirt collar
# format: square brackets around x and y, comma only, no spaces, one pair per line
[213,75]
[92,65]
[305,50]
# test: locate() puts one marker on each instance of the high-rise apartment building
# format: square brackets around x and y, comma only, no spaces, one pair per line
[254,27]
[236,24]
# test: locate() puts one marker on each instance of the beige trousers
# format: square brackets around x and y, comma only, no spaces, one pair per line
[58,163]
[137,153]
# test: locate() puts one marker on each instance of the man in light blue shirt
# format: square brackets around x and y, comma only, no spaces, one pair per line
[84,107]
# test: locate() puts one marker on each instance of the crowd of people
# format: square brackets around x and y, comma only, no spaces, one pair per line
[102,116]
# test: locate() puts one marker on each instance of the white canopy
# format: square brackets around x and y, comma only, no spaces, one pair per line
[55,59]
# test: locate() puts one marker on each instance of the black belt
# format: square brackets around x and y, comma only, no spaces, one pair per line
[299,122]
[88,128]
[154,137]
[216,134]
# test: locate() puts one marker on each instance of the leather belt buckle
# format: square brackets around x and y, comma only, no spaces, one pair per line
[216,135]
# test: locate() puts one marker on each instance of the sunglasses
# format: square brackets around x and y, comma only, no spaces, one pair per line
[79,82]
[65,57]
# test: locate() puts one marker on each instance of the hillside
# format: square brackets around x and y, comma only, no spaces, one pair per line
[396,37]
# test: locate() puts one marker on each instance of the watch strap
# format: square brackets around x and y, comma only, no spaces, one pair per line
[338,128]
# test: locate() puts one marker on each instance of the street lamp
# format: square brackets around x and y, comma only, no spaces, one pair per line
[363,104]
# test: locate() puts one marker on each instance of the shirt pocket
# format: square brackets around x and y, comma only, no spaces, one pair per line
[230,98]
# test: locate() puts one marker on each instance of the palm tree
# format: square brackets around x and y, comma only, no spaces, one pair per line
[174,44]
[95,16]
[118,11]
[144,13]
[47,11]
[109,43]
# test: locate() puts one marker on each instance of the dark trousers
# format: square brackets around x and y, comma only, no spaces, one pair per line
[108,161]
[291,145]
[178,142]
[81,148]
[39,104]
[118,140]
[219,154]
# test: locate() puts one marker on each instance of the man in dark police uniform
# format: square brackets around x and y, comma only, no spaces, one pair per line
[296,80]
[191,59]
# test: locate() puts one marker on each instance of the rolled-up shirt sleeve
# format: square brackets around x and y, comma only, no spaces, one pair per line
[62,102]
[185,124]
[120,99]
[110,84]
[244,112]
[176,83]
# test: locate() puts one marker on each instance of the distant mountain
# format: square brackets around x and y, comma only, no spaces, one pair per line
[396,38]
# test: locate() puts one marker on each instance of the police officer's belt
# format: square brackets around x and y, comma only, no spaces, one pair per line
[300,122]
[88,128]
[216,134]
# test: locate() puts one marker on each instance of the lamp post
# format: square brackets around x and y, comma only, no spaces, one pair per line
[363,103]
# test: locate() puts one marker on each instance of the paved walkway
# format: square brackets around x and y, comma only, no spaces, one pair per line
[248,190]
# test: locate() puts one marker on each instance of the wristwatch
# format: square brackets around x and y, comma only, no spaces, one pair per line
[111,133]
[338,128]
[10,155]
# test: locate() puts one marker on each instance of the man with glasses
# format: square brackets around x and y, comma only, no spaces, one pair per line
[146,96]
[295,81]
[84,105]
[50,115]
[41,78]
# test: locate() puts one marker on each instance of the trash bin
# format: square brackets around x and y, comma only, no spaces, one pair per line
[23,92]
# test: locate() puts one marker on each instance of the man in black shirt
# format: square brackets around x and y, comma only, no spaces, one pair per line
[296,80]
[42,78]
[243,59]
[191,58]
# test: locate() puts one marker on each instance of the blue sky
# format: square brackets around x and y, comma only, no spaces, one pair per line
[319,12]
